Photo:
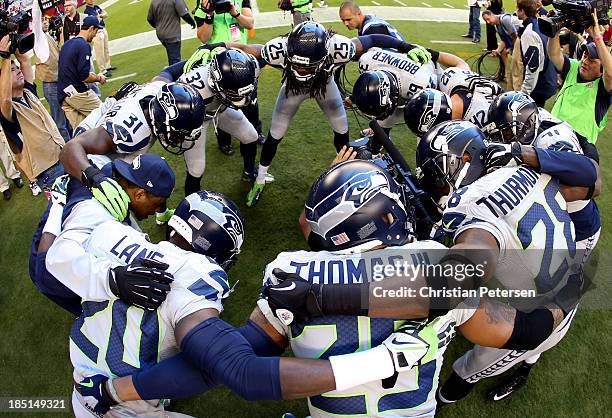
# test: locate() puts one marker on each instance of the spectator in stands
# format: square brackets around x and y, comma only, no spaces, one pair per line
[73,93]
[353,18]
[474,30]
[9,168]
[72,21]
[496,7]
[539,76]
[165,16]
[46,72]
[586,93]
[228,27]
[100,42]
[31,133]
[507,34]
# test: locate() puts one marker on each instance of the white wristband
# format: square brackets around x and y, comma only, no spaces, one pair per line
[54,221]
[358,368]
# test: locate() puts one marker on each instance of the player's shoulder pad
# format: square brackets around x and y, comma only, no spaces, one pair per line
[274,51]
[341,49]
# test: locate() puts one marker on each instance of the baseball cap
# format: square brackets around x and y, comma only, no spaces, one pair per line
[591,49]
[150,172]
[90,21]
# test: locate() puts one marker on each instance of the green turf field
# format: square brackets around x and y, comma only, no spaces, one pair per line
[572,380]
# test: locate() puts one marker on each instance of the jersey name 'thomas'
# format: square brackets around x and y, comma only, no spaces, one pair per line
[411,76]
[114,338]
[413,394]
[341,50]
[523,210]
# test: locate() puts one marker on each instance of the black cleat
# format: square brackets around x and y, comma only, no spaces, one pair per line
[507,388]
[18,182]
[227,150]
[7,194]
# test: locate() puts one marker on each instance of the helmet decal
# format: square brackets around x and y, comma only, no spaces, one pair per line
[166,100]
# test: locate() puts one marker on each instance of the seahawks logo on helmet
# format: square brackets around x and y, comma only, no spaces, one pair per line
[346,200]
[445,135]
[431,113]
[384,91]
[223,216]
[167,102]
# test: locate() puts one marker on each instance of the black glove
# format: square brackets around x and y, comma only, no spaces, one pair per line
[144,283]
[503,155]
[293,299]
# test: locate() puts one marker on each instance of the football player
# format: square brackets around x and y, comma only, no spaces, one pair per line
[308,57]
[172,113]
[227,83]
[462,94]
[517,123]
[482,213]
[58,244]
[206,233]
[389,79]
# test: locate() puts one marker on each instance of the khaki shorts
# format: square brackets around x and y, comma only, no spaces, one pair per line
[79,105]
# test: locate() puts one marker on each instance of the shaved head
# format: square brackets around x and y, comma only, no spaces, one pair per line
[351,15]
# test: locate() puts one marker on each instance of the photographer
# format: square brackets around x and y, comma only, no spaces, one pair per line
[32,135]
[585,96]
[232,26]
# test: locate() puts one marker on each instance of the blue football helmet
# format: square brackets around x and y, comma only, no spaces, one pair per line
[451,155]
[233,78]
[307,50]
[212,224]
[376,93]
[513,116]
[177,113]
[427,109]
[357,203]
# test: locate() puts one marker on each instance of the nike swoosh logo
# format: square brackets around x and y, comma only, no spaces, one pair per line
[284,289]
[87,384]
[395,341]
[499,398]
[447,224]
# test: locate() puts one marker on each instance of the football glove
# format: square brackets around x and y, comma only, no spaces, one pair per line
[144,283]
[406,347]
[107,191]
[293,299]
[419,54]
[59,189]
[202,55]
[95,394]
[502,155]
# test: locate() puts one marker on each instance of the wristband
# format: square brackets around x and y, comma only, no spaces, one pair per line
[236,17]
[208,19]
[598,38]
[88,174]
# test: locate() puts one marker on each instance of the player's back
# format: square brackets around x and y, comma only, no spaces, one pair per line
[413,393]
[523,210]
[114,338]
[412,77]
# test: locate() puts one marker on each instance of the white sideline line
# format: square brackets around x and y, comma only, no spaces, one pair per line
[401,3]
[375,3]
[254,6]
[425,4]
[449,5]
[121,77]
[452,42]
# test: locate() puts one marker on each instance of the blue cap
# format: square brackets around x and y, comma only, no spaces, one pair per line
[150,172]
[90,21]
[591,49]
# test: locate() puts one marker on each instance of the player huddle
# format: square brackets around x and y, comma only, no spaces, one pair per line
[504,179]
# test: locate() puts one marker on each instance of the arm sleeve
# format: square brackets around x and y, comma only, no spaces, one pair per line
[569,168]
[174,71]
[533,58]
[172,378]
[261,342]
[69,262]
[188,19]
[376,30]
[590,150]
[384,41]
[217,347]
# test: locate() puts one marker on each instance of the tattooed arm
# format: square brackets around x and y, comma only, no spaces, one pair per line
[495,324]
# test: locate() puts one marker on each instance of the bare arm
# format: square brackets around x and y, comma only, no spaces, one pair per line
[603,52]
[246,19]
[74,153]
[204,32]
[6,91]
[252,49]
[450,60]
[554,52]
[26,67]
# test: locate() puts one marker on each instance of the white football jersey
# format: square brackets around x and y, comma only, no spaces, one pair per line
[115,339]
[125,121]
[523,210]
[414,391]
[411,76]
[341,50]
